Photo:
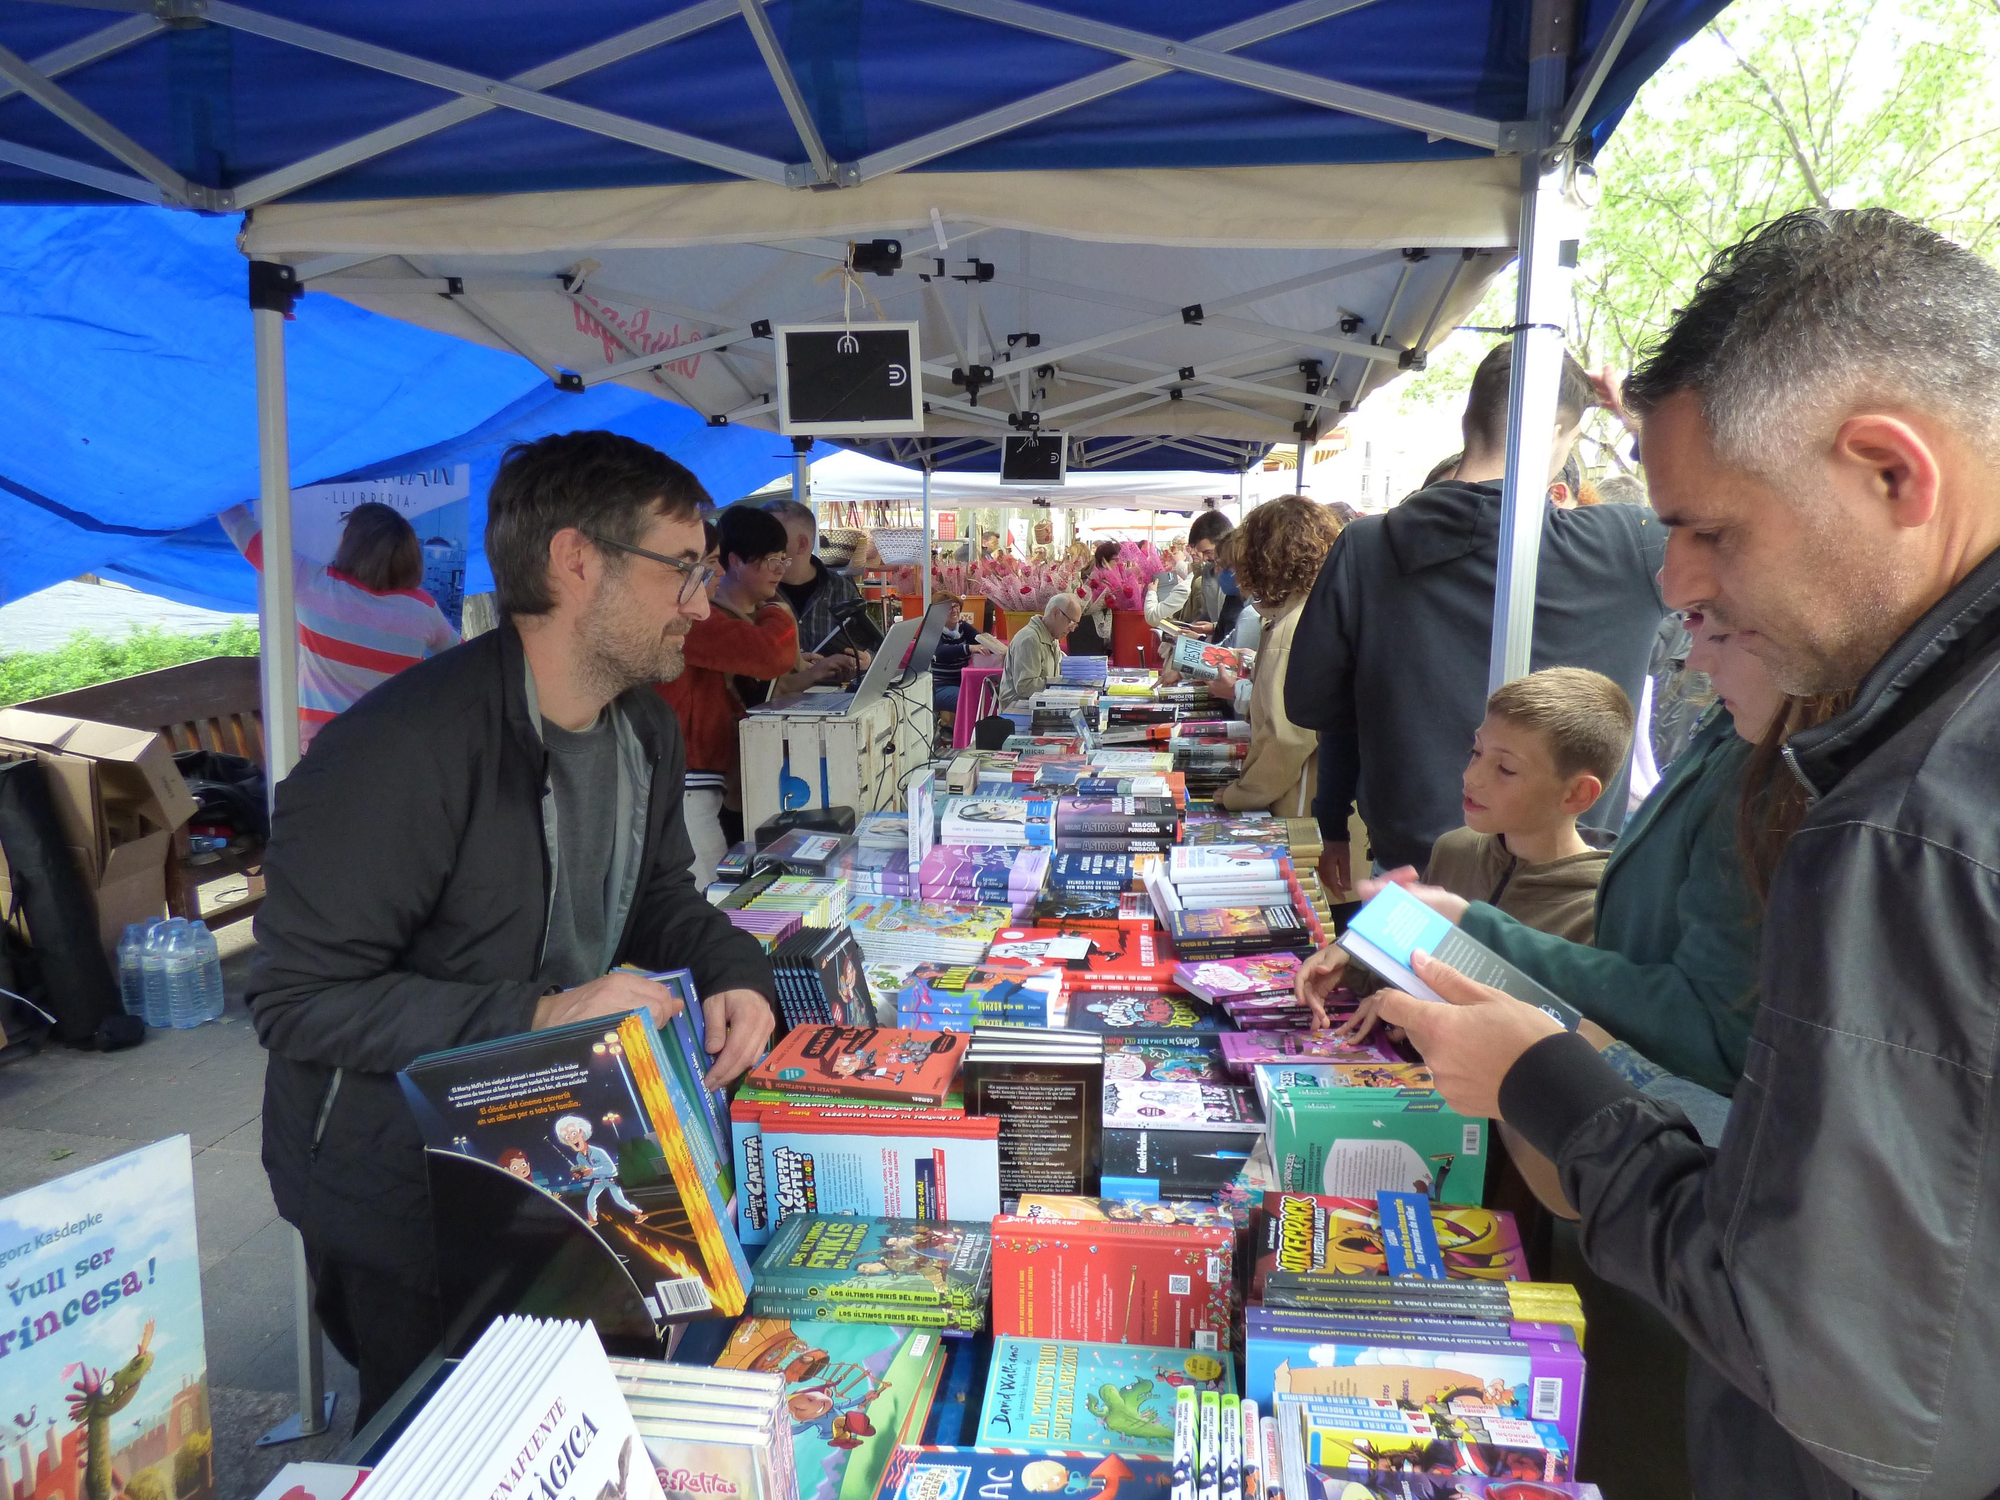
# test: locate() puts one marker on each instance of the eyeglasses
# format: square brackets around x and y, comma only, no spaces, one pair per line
[694,576]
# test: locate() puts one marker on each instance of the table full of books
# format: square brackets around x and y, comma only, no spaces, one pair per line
[1046,1186]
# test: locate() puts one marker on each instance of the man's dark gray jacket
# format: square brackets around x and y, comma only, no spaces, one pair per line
[1389,660]
[1836,1262]
[408,879]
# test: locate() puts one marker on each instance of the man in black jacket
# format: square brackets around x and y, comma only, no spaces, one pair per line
[1820,433]
[468,851]
[1389,660]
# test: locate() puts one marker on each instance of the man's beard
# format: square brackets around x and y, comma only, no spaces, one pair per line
[620,652]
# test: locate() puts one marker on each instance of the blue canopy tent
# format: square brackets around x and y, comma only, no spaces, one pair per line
[1194,228]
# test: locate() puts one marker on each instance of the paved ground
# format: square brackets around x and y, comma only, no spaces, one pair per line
[43,621]
[62,1110]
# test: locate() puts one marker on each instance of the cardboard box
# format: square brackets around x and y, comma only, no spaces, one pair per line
[119,799]
[868,756]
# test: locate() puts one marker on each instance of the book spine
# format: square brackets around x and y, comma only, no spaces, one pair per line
[1232,1448]
[1253,1452]
[1209,1485]
[773,1305]
[695,1171]
[1187,1419]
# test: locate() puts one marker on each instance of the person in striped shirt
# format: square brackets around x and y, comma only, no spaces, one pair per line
[362,617]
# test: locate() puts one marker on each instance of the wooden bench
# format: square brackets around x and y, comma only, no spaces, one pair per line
[199,705]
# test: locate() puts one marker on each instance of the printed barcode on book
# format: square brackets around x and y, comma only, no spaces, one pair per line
[1204,1338]
[1179,1286]
[1547,1405]
[684,1295]
[1469,1142]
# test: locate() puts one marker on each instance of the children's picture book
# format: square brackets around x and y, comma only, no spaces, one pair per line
[960,994]
[685,1038]
[854,1392]
[996,1474]
[1354,1143]
[1047,1395]
[1226,978]
[1347,1449]
[1191,1057]
[1309,1232]
[915,1165]
[106,1371]
[911,1261]
[592,1113]
[863,1062]
[1394,926]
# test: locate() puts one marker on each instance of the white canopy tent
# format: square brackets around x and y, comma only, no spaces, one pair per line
[853,477]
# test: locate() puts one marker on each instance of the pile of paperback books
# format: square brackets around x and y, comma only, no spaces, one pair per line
[835,1269]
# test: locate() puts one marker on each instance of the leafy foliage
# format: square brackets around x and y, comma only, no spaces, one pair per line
[87,659]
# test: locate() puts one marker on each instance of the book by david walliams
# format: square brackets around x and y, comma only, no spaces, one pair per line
[1045,1395]
[101,1352]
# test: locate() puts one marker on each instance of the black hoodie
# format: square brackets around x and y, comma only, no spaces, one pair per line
[1389,663]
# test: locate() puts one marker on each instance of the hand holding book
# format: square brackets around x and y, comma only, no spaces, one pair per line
[613,995]
[740,1023]
[1470,1043]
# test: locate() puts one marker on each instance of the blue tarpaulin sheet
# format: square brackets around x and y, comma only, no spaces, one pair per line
[131,416]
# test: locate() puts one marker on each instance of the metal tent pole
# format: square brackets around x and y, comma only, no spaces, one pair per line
[1301,486]
[927,534]
[1540,315]
[273,292]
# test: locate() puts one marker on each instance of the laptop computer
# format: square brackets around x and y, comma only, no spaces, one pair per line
[916,638]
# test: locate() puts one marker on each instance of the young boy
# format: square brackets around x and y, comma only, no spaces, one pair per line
[1548,746]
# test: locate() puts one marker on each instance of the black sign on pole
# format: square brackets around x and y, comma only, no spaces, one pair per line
[1035,458]
[840,381]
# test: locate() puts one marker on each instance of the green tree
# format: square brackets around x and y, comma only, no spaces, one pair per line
[147,1485]
[191,1465]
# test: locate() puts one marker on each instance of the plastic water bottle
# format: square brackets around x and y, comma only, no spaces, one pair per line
[183,966]
[211,973]
[131,983]
[153,969]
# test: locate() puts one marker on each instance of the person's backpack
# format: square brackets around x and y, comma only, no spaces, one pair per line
[228,791]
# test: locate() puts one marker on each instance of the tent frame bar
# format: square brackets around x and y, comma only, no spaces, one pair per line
[1289,83]
[85,50]
[1598,69]
[824,172]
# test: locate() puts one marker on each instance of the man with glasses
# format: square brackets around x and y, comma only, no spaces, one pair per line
[1194,598]
[469,852]
[1034,656]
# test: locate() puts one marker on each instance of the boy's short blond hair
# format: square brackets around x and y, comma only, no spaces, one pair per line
[1585,717]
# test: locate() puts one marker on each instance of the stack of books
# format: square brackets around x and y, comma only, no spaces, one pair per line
[958,997]
[882,830]
[819,902]
[894,931]
[1225,979]
[836,1269]
[1071,873]
[997,820]
[769,928]
[1044,1090]
[1049,1396]
[864,1063]
[820,983]
[879,872]
[1116,824]
[532,1406]
[984,874]
[1113,1280]
[711,1432]
[1086,671]
[1127,958]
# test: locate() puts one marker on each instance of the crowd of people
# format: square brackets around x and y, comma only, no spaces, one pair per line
[1769,1142]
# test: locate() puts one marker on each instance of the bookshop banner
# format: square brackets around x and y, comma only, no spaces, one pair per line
[437,502]
[101,1351]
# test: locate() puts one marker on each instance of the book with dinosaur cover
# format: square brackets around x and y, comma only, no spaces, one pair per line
[854,1392]
[863,1062]
[1113,1281]
[1354,1143]
[894,1262]
[592,1113]
[104,1369]
[1049,1395]
[997,1474]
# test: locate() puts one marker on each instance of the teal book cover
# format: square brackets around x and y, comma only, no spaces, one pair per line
[1045,1395]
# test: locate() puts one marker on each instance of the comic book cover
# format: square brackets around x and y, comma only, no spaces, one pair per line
[106,1373]
[1352,1143]
[914,1164]
[843,1259]
[1246,1049]
[1332,1449]
[1232,931]
[1047,1395]
[1092,958]
[1144,1013]
[863,1062]
[1312,1354]
[1369,1075]
[1225,978]
[1131,1105]
[995,1474]
[1193,1057]
[954,995]
[1307,1232]
[1083,909]
[853,1391]
[1112,1281]
[592,1114]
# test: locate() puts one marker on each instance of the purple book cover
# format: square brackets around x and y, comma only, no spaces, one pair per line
[1243,1050]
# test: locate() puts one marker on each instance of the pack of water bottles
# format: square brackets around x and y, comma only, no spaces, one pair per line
[170,973]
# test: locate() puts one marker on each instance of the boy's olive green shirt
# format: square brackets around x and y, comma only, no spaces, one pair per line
[1557,896]
[1673,971]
